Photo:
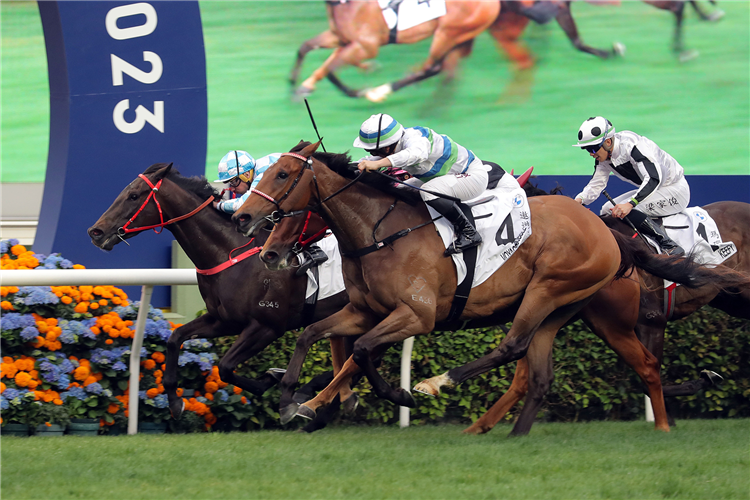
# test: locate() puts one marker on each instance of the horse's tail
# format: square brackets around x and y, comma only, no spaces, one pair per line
[683,270]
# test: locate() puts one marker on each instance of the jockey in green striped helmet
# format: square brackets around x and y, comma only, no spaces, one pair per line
[436,163]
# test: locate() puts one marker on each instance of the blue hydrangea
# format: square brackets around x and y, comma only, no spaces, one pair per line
[197,344]
[14,321]
[4,246]
[142,395]
[201,399]
[35,295]
[29,333]
[52,262]
[4,404]
[75,392]
[120,367]
[73,330]
[10,393]
[161,401]
[95,388]
[222,395]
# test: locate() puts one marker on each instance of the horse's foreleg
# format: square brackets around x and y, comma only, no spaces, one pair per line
[517,390]
[353,54]
[506,31]
[253,339]
[325,40]
[567,23]
[348,321]
[205,326]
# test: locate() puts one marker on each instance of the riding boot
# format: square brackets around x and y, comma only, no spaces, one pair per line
[313,255]
[666,243]
[466,234]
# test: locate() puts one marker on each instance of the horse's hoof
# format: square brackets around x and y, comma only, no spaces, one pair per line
[301,92]
[712,377]
[477,429]
[688,55]
[379,94]
[351,404]
[424,388]
[404,398]
[716,15]
[276,373]
[301,397]
[177,409]
[619,49]
[288,412]
[306,412]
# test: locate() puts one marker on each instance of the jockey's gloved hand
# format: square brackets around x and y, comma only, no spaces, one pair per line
[313,255]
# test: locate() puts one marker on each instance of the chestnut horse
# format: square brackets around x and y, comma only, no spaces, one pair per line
[733,221]
[407,289]
[358,30]
[244,299]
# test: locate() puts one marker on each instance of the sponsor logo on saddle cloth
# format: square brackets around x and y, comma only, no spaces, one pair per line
[504,223]
[330,272]
[405,14]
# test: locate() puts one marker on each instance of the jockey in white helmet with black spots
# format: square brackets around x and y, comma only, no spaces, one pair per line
[661,186]
[239,171]
[435,161]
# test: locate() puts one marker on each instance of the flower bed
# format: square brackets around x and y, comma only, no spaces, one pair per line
[66,353]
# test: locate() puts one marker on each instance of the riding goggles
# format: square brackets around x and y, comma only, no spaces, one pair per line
[593,149]
[235,181]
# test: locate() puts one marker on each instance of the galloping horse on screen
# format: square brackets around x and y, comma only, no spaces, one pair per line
[406,289]
[242,298]
[358,30]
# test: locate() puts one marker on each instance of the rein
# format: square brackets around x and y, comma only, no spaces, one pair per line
[155,189]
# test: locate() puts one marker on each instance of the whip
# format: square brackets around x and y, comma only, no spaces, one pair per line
[309,111]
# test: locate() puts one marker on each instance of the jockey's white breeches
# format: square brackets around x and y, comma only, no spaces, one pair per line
[665,200]
[465,186]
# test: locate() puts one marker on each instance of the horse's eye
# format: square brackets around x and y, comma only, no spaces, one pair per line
[133,196]
[283,175]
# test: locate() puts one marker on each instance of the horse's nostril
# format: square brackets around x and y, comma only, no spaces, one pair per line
[270,257]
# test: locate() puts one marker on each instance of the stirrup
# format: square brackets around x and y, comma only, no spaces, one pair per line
[674,251]
[455,247]
[314,256]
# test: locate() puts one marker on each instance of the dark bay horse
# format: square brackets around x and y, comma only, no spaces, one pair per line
[733,221]
[357,30]
[407,288]
[244,299]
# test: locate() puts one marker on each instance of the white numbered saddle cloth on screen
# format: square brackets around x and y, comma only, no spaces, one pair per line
[406,14]
[504,224]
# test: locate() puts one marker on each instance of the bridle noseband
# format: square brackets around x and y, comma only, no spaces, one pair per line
[122,231]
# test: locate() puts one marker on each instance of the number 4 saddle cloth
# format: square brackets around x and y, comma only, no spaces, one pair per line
[503,221]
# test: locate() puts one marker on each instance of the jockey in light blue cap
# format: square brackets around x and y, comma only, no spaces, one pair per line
[240,172]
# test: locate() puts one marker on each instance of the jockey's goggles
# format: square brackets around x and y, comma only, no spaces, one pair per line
[235,181]
[593,149]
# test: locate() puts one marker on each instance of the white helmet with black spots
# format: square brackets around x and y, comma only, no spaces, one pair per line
[378,131]
[594,132]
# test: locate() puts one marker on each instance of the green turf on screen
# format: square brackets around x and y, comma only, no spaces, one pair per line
[697,111]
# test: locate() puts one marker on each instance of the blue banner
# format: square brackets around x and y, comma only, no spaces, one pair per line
[127,90]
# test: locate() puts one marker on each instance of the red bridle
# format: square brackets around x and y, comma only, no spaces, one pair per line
[155,189]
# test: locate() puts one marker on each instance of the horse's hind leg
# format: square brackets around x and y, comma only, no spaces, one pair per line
[567,23]
[354,53]
[205,326]
[517,390]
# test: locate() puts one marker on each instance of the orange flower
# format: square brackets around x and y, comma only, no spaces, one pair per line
[78,266]
[158,373]
[57,401]
[54,346]
[22,379]
[152,393]
[6,306]
[65,299]
[81,307]
[94,306]
[158,357]
[179,392]
[243,400]
[89,380]
[51,321]
[103,302]
[82,372]
[210,419]
[211,387]
[9,370]
[236,390]
[47,424]
[209,396]
[39,342]
[109,341]
[17,250]
[149,364]
[2,387]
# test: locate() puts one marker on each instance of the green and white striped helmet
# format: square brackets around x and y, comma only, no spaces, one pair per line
[594,131]
[378,131]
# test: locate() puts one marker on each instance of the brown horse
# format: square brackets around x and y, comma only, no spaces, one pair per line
[733,221]
[244,299]
[358,30]
[407,289]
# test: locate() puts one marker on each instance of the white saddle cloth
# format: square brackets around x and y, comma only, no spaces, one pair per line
[330,272]
[696,232]
[504,224]
[411,13]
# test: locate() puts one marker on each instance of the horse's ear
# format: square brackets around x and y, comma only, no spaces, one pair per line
[162,173]
[309,150]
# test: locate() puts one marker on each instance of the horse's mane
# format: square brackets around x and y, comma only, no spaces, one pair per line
[341,163]
[535,190]
[197,184]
